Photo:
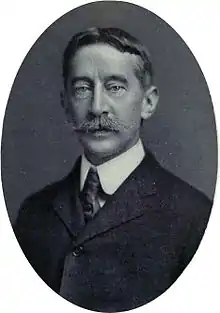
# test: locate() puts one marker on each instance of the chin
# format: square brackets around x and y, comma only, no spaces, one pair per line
[101,148]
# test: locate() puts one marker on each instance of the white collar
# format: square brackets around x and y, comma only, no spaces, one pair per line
[114,172]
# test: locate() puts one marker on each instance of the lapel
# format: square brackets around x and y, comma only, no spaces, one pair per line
[136,196]
[67,204]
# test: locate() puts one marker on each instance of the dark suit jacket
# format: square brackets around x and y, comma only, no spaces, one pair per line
[131,252]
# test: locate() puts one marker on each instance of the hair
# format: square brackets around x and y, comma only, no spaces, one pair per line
[115,37]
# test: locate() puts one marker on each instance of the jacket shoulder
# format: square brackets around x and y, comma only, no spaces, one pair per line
[47,194]
[179,200]
[38,206]
[177,195]
[167,182]
[44,196]
[182,190]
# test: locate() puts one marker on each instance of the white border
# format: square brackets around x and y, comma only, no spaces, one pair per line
[197,290]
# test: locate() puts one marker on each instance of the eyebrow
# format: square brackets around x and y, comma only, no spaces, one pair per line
[81,78]
[119,78]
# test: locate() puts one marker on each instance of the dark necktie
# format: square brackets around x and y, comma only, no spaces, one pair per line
[89,194]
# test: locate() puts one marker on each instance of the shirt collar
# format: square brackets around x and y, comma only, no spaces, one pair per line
[114,172]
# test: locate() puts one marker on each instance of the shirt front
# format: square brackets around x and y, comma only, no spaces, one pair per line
[115,171]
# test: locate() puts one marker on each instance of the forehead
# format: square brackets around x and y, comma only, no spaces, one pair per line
[103,60]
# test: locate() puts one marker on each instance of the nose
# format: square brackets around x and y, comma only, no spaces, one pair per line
[98,105]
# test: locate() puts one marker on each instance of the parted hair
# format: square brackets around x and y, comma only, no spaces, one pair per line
[115,37]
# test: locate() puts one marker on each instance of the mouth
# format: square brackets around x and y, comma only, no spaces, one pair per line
[100,132]
[97,131]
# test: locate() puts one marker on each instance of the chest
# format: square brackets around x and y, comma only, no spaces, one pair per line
[119,265]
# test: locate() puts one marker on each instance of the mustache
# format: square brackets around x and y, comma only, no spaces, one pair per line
[102,122]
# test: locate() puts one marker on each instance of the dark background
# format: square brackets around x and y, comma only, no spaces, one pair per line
[38,146]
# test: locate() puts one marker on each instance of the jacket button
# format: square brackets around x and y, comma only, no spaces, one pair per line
[78,251]
[89,207]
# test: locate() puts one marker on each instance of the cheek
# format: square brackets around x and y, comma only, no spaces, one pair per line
[135,104]
[79,109]
[129,109]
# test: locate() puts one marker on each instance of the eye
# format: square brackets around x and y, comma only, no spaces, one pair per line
[82,91]
[116,89]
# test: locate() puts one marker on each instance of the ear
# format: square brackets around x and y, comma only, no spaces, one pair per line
[150,101]
[64,104]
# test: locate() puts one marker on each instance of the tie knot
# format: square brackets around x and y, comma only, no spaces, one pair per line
[89,195]
[92,181]
[92,185]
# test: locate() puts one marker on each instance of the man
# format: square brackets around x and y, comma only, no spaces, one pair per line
[119,229]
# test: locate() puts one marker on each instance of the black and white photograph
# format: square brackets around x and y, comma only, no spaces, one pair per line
[109,156]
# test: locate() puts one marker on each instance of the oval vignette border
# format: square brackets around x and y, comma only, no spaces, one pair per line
[213,210]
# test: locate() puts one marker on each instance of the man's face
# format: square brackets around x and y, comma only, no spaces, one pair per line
[105,99]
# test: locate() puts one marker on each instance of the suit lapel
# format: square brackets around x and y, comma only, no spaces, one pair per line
[134,197]
[67,204]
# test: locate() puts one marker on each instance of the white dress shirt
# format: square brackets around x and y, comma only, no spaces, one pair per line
[115,171]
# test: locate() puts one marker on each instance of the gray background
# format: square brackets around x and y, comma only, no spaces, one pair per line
[39,148]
